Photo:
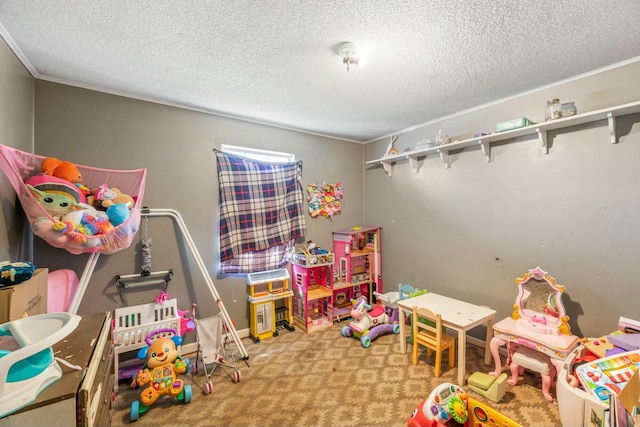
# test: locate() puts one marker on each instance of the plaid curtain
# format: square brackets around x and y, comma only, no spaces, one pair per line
[261,213]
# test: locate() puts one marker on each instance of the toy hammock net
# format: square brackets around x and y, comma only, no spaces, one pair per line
[19,166]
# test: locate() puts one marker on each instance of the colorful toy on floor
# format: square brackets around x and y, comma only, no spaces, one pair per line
[369,322]
[449,405]
[160,371]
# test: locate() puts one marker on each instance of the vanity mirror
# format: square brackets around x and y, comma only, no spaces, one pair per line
[539,304]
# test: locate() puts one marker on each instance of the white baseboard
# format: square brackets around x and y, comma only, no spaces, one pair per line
[480,343]
[475,341]
[192,347]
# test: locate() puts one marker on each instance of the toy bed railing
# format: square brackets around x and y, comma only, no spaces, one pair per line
[18,166]
[133,324]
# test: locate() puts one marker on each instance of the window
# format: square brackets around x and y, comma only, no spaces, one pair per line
[260,155]
[261,210]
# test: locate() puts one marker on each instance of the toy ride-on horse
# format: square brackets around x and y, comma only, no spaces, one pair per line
[370,322]
[160,371]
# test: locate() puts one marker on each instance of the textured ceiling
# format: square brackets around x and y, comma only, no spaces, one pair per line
[275,61]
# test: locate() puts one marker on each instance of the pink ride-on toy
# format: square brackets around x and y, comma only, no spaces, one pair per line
[370,322]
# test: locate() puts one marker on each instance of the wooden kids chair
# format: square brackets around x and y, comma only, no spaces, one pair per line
[427,331]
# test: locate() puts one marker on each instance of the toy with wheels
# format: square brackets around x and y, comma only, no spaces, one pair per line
[163,364]
[449,405]
[370,322]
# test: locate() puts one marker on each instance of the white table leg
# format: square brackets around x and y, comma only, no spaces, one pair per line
[403,327]
[487,350]
[462,356]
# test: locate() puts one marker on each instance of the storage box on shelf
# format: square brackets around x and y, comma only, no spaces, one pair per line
[358,271]
[270,303]
[312,292]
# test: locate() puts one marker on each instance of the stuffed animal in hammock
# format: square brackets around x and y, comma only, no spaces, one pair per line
[61,169]
[57,204]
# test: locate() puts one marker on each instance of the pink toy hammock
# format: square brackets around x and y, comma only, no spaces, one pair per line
[18,166]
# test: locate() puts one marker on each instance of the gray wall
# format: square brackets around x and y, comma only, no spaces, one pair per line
[470,230]
[176,146]
[16,130]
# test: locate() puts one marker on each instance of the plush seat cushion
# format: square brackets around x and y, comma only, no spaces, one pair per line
[533,360]
[481,380]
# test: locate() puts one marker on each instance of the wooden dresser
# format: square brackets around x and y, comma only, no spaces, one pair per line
[82,397]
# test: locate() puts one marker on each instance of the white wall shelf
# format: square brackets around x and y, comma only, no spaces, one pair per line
[538,129]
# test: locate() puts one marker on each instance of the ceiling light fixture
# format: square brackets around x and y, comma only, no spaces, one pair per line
[350,55]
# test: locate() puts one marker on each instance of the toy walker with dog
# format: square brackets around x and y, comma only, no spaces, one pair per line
[163,364]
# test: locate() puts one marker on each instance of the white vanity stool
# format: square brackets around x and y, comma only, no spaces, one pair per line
[528,358]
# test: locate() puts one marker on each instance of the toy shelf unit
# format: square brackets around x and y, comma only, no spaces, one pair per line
[312,292]
[270,299]
[132,324]
[357,251]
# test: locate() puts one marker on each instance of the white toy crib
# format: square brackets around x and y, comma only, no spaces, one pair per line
[133,324]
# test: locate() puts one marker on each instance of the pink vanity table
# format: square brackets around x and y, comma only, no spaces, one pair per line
[537,335]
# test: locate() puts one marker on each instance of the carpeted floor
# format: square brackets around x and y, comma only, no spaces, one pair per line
[324,379]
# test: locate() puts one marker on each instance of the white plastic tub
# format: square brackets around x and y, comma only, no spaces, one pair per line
[390,299]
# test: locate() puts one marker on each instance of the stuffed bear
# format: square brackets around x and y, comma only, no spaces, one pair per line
[61,169]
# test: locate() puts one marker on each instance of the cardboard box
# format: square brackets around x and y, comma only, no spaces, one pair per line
[26,298]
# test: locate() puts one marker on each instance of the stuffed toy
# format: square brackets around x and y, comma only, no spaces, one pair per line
[57,185]
[87,221]
[61,169]
[12,273]
[57,204]
[104,197]
[163,364]
[117,214]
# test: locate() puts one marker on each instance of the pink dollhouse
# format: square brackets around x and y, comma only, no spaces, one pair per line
[312,284]
[358,265]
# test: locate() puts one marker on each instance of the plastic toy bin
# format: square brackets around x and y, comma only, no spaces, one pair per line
[390,299]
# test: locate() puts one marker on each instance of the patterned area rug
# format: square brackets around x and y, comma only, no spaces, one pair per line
[324,379]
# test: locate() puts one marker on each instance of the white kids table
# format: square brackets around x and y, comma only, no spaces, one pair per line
[458,315]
